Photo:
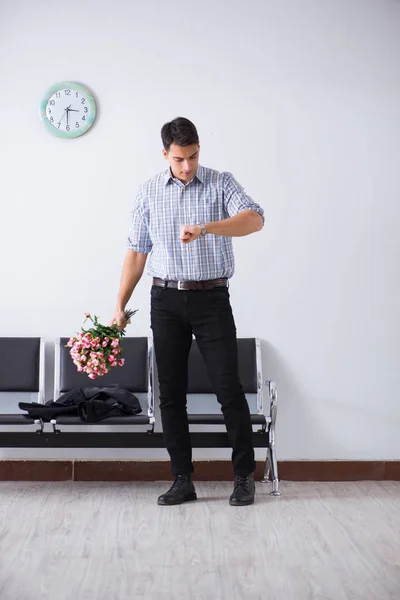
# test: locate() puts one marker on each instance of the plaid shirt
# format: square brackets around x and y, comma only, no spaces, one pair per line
[164,203]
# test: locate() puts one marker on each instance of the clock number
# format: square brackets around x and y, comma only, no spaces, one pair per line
[58,125]
[83,118]
[58,95]
[67,92]
[67,128]
[85,109]
[83,100]
[52,102]
[49,111]
[51,119]
[76,94]
[77,125]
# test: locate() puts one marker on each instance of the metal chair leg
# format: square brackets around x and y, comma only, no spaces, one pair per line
[266,478]
[274,470]
[271,466]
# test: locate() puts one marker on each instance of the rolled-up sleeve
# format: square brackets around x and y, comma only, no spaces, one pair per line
[139,237]
[235,198]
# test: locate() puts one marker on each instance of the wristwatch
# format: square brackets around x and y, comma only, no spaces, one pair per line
[203,229]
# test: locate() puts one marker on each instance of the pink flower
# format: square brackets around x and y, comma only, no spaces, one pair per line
[87,315]
[121,362]
[104,344]
[92,376]
[115,343]
[116,351]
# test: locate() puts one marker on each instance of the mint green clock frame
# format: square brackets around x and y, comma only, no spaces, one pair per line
[74,132]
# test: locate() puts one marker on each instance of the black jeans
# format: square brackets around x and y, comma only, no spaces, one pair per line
[175,316]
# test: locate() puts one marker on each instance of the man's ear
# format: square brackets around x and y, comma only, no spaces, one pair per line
[165,153]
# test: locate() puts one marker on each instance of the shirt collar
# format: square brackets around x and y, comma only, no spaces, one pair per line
[199,174]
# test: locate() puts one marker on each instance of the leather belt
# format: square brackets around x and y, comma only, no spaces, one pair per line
[208,284]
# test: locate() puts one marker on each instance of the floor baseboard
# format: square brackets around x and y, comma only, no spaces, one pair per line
[205,470]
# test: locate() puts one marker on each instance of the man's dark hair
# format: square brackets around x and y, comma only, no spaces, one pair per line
[180,131]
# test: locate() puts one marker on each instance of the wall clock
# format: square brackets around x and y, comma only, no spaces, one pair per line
[68,109]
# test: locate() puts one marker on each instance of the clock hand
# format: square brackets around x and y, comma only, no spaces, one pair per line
[65,111]
[73,110]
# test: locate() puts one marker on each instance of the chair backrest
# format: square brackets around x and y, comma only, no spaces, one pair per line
[133,376]
[199,382]
[21,371]
[250,373]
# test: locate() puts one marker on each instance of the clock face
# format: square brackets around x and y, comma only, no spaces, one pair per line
[68,109]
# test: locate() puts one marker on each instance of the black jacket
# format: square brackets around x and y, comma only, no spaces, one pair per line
[90,404]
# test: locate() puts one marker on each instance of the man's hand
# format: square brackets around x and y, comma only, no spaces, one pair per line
[119,319]
[189,233]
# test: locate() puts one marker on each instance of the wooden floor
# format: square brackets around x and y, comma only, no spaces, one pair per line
[102,541]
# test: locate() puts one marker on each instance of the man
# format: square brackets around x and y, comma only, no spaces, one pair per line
[185,218]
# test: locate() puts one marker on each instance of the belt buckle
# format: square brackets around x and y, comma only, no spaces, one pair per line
[180,285]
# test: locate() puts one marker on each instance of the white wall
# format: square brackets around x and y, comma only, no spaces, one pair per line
[301,101]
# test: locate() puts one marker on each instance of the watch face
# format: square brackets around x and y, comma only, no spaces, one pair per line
[68,109]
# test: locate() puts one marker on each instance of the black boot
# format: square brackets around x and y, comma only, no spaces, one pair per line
[244,490]
[182,490]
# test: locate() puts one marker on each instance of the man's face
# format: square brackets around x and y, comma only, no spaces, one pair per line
[183,160]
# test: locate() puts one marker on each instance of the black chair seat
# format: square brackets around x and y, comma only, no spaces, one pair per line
[120,420]
[218,419]
[17,419]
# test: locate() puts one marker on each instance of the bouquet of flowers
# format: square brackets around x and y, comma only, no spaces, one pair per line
[95,350]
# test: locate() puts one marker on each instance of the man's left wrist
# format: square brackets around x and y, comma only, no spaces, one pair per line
[203,229]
